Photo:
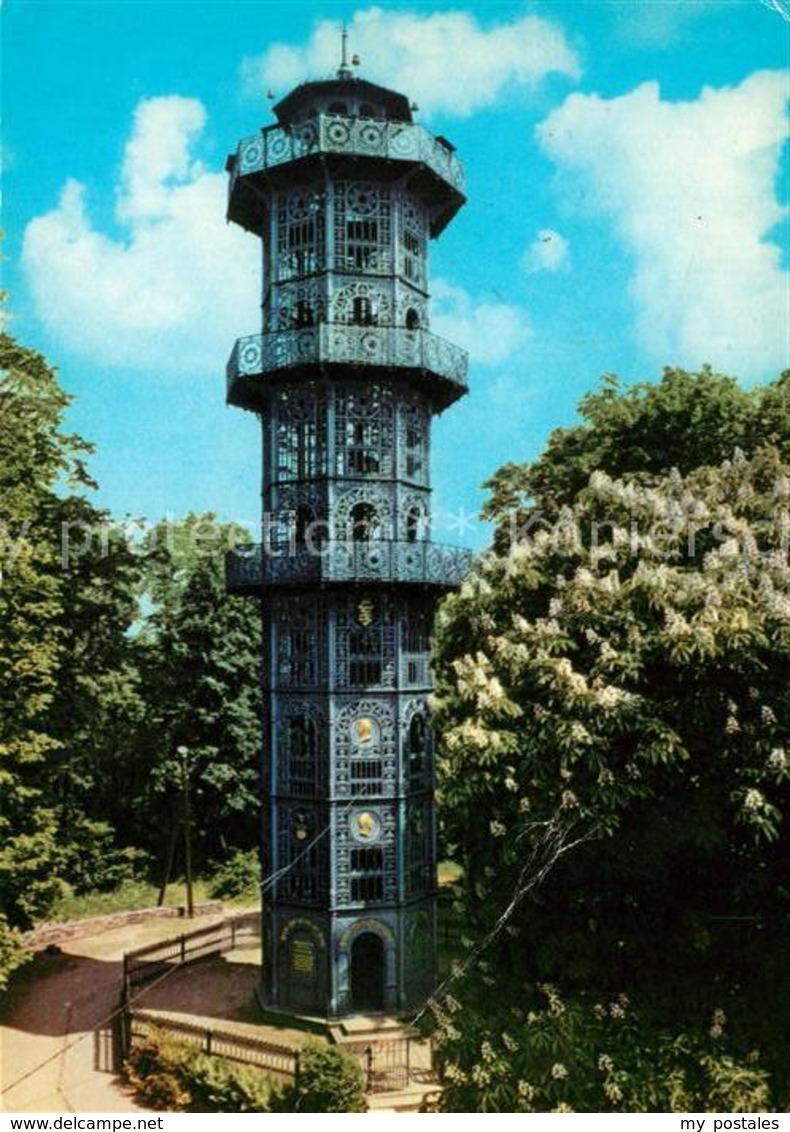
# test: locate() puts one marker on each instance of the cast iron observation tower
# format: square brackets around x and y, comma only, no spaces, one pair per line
[344,192]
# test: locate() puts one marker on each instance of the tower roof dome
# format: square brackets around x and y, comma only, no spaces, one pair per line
[344,94]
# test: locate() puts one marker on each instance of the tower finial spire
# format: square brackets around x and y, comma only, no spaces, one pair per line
[344,71]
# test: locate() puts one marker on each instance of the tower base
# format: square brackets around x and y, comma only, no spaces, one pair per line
[325,966]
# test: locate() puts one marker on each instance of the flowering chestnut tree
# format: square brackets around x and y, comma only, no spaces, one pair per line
[620,677]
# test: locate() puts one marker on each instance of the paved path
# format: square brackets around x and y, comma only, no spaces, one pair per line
[55,1039]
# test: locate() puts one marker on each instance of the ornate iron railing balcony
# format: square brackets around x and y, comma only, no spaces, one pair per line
[335,344]
[421,563]
[335,133]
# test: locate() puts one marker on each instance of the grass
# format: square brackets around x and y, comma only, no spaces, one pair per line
[127,897]
[134,894]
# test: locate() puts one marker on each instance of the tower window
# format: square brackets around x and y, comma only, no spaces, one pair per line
[364,522]
[300,233]
[365,776]
[413,244]
[296,665]
[305,517]
[415,523]
[363,443]
[304,314]
[296,450]
[338,108]
[419,870]
[415,435]
[364,657]
[416,751]
[367,874]
[362,243]
[363,227]
[415,646]
[301,777]
[303,858]
[412,319]
[363,311]
[367,111]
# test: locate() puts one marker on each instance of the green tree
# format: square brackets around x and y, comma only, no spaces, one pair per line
[541,1051]
[98,705]
[35,454]
[68,586]
[684,421]
[201,663]
[614,704]
[626,672]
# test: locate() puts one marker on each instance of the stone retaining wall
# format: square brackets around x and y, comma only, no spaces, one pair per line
[48,934]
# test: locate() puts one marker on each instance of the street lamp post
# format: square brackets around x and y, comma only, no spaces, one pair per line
[183,755]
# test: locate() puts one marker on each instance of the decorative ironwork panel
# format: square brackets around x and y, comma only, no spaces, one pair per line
[301,753]
[301,232]
[413,241]
[420,865]
[347,561]
[334,133]
[417,744]
[297,519]
[298,629]
[299,306]
[362,515]
[365,305]
[303,854]
[415,647]
[365,855]
[364,431]
[365,756]
[259,355]
[365,642]
[362,224]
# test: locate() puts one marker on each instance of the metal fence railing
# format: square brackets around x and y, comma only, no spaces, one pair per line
[387,1065]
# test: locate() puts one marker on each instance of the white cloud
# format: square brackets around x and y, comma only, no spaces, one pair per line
[549,251]
[444,60]
[656,25]
[168,294]
[690,187]
[491,331]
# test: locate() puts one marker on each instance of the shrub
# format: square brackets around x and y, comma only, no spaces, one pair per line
[169,1076]
[237,878]
[164,1091]
[328,1080]
[157,1071]
[12,952]
[218,1087]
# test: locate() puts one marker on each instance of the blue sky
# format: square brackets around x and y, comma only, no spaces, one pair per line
[628,187]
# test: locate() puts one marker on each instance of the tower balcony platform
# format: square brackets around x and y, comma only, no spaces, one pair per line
[280,354]
[248,568]
[399,143]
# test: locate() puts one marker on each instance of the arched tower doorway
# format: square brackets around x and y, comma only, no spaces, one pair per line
[367,973]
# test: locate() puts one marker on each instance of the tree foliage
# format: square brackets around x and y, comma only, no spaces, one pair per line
[35,453]
[685,421]
[551,1053]
[200,663]
[620,673]
[328,1080]
[114,649]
